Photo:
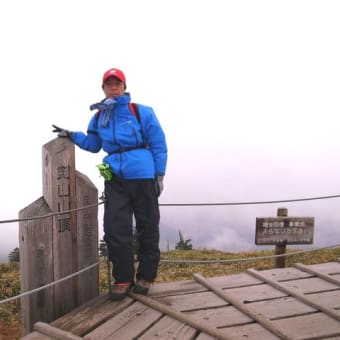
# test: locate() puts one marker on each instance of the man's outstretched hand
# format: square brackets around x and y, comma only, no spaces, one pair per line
[61,132]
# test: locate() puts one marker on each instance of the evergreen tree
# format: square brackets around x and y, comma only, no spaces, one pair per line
[14,255]
[183,244]
[103,249]
[134,240]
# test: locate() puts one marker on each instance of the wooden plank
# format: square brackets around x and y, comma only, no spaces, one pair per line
[191,286]
[235,280]
[329,268]
[174,288]
[92,314]
[117,320]
[282,308]
[252,313]
[285,274]
[192,301]
[331,312]
[83,319]
[206,328]
[88,316]
[317,273]
[330,299]
[310,285]
[221,317]
[313,326]
[129,324]
[169,328]
[255,293]
[252,331]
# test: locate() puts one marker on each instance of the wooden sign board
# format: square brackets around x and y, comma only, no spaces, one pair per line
[54,247]
[284,230]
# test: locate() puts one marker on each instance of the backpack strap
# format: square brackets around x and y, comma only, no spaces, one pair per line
[134,109]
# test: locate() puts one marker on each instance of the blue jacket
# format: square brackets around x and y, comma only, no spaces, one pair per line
[116,128]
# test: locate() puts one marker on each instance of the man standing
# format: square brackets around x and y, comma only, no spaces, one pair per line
[133,170]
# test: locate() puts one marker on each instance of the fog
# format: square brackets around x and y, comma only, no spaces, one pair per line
[247,93]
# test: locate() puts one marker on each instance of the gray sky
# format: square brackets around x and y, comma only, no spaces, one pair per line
[247,93]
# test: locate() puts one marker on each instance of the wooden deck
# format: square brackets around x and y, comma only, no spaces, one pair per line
[299,302]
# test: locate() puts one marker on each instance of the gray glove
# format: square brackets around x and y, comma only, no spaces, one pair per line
[160,184]
[61,132]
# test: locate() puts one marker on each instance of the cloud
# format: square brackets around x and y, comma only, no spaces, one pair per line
[232,228]
[247,94]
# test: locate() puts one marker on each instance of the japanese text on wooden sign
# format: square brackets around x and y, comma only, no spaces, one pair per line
[284,230]
[63,181]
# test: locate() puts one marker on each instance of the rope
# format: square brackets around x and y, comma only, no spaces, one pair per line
[172,205]
[50,284]
[169,261]
[32,218]
[250,258]
[249,203]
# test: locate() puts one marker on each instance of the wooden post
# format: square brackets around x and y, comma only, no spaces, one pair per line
[280,248]
[283,230]
[54,247]
[36,265]
[87,239]
[59,193]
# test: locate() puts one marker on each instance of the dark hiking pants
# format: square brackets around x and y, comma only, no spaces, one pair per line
[125,198]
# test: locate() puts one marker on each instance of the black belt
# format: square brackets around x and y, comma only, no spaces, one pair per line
[129,148]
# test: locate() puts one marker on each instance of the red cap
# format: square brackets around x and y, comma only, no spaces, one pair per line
[114,72]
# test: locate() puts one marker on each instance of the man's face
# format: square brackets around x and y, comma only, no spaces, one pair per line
[113,87]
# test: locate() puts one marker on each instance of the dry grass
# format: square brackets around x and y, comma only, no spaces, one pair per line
[9,312]
[168,272]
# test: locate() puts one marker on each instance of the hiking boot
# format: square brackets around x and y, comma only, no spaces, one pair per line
[119,291]
[141,287]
